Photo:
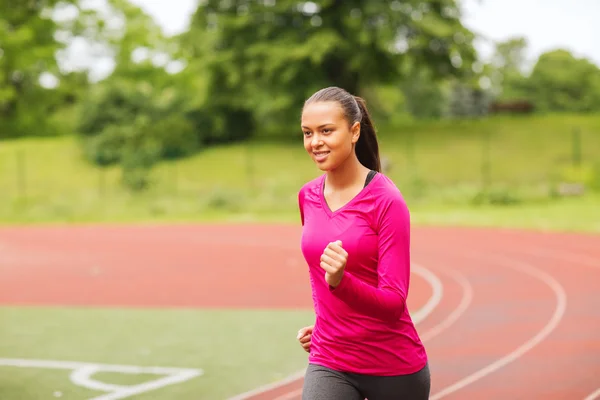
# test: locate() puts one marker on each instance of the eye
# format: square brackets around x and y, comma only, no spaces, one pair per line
[327,130]
[306,133]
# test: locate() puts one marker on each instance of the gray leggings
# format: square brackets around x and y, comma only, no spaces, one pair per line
[321,383]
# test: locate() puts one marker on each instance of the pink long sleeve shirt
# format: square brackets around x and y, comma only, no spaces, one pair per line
[363,325]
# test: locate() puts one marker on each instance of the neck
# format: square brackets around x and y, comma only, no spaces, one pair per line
[347,174]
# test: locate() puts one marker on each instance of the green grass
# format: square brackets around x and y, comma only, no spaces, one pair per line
[237,349]
[46,180]
[569,214]
[31,383]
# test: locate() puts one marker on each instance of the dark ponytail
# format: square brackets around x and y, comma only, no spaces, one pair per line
[355,110]
[367,147]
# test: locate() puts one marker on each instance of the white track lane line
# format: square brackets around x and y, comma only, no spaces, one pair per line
[559,311]
[464,304]
[418,316]
[593,396]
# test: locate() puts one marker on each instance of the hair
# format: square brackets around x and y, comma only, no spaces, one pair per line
[355,110]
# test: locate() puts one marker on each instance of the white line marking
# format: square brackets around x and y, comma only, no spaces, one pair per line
[265,388]
[82,375]
[417,317]
[593,396]
[290,395]
[438,292]
[464,304]
[561,305]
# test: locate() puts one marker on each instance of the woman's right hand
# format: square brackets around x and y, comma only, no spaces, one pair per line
[304,336]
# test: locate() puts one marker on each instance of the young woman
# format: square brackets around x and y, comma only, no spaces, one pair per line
[356,242]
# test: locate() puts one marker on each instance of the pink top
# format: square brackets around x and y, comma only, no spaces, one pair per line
[363,325]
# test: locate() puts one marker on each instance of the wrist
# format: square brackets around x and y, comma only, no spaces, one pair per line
[333,284]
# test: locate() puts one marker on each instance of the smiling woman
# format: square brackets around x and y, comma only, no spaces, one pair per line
[356,242]
[331,117]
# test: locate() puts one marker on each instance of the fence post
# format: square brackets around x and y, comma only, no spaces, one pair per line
[174,176]
[411,166]
[101,182]
[21,174]
[576,146]
[485,162]
[249,164]
[410,151]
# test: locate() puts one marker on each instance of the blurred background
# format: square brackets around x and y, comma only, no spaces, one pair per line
[183,110]
[116,111]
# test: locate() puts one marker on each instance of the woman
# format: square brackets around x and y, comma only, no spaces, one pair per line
[356,242]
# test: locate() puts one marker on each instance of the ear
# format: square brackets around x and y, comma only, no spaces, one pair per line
[355,130]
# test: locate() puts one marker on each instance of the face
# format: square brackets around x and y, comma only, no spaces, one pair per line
[328,138]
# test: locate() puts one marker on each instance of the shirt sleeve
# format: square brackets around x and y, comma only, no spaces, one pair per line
[312,283]
[301,206]
[387,301]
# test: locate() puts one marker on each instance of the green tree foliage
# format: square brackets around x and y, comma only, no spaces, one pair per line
[136,123]
[507,68]
[558,82]
[27,50]
[561,82]
[425,96]
[265,57]
[142,112]
[245,67]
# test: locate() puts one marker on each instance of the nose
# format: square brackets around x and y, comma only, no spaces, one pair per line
[316,141]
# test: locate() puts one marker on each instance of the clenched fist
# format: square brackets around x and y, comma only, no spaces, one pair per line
[304,337]
[333,261]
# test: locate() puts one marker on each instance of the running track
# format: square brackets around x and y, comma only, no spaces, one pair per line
[518,316]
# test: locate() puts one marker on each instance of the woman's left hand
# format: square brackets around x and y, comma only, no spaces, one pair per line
[333,261]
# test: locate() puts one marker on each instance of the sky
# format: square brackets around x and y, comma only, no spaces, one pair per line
[546,25]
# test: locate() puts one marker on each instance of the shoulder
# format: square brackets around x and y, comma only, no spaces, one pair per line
[310,188]
[387,196]
[386,190]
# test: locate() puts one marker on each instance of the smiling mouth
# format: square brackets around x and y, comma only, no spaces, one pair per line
[320,155]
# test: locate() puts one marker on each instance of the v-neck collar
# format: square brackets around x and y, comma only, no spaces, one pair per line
[363,192]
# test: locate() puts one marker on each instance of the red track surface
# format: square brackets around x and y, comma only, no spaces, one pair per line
[519,317]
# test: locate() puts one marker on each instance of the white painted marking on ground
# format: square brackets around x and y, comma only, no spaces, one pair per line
[265,388]
[290,395]
[438,292]
[464,304]
[593,396]
[417,317]
[561,305]
[82,375]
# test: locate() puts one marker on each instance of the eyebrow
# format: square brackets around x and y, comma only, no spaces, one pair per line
[320,126]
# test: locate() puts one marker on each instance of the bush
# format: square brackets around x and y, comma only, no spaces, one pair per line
[105,148]
[136,125]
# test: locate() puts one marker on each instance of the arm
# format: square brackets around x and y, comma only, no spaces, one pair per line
[312,283]
[301,206]
[388,300]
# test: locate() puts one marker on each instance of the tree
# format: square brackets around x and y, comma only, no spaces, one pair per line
[561,82]
[140,113]
[27,51]
[507,69]
[265,57]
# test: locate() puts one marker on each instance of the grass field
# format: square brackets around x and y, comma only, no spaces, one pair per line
[440,173]
[235,349]
[46,180]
